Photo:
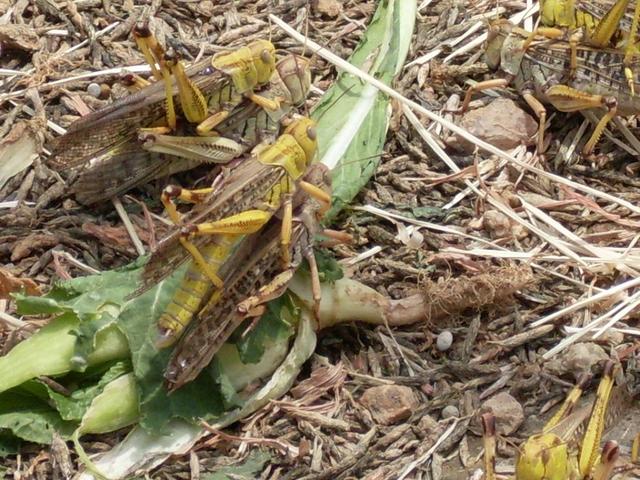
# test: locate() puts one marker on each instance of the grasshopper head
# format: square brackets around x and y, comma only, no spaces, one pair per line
[498,32]
[294,76]
[303,129]
[264,58]
[544,456]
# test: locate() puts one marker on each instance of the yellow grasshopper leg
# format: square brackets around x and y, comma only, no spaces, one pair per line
[480,86]
[269,104]
[168,198]
[134,82]
[593,434]
[546,32]
[150,48]
[569,403]
[251,306]
[243,223]
[200,149]
[631,49]
[540,112]
[155,55]
[171,193]
[567,99]
[285,232]
[194,105]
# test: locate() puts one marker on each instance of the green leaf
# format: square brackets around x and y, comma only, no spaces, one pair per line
[277,323]
[30,418]
[353,117]
[86,296]
[248,470]
[9,445]
[328,268]
[74,406]
[198,399]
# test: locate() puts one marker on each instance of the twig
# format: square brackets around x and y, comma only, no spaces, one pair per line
[128,226]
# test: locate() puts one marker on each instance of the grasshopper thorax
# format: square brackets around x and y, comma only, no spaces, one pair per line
[264,58]
[498,32]
[293,78]
[303,130]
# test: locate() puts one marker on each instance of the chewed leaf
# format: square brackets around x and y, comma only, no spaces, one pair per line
[353,117]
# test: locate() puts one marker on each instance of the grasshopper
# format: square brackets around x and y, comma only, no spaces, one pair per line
[253,275]
[550,454]
[251,194]
[598,23]
[144,159]
[540,73]
[206,92]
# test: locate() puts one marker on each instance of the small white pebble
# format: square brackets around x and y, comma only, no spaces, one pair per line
[444,340]
[450,411]
[94,90]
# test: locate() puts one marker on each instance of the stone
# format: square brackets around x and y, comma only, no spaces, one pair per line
[330,8]
[501,123]
[450,411]
[390,404]
[444,340]
[507,410]
[577,359]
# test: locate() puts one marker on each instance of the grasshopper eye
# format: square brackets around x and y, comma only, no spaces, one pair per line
[266,56]
[311,133]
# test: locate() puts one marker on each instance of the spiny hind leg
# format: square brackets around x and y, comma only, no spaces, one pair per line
[589,452]
[569,403]
[205,150]
[568,99]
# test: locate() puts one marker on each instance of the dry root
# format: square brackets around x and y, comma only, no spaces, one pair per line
[442,300]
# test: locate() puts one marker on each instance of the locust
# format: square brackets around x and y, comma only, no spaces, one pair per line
[553,453]
[155,155]
[540,73]
[249,196]
[204,94]
[596,23]
[253,274]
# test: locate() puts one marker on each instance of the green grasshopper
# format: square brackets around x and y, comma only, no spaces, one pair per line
[253,274]
[540,72]
[153,155]
[251,193]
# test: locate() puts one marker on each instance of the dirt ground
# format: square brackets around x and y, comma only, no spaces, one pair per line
[494,349]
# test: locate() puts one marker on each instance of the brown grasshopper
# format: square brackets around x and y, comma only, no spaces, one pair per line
[253,274]
[596,23]
[250,195]
[153,155]
[203,92]
[540,72]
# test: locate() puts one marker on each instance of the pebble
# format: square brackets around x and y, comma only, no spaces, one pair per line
[577,359]
[450,411]
[501,123]
[390,404]
[444,340]
[507,410]
[94,90]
